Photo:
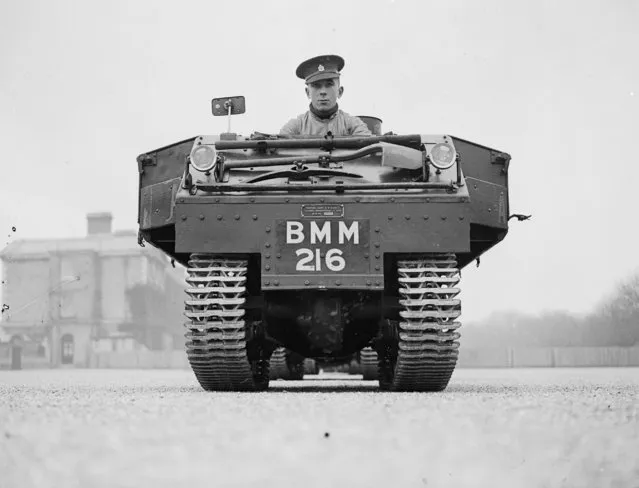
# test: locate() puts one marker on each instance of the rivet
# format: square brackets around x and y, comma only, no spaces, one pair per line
[268,229]
[392,199]
[461,217]
[428,200]
[444,217]
[377,283]
[338,282]
[267,283]
[377,244]
[306,282]
[377,267]
[377,255]
[268,244]
[490,209]
[217,200]
[183,217]
[219,217]
[254,217]
[407,217]
[287,200]
[368,283]
[252,199]
[475,186]
[267,256]
[321,200]
[267,267]
[358,199]
[425,217]
[181,200]
[278,255]
[276,283]
[390,217]
[377,229]
[237,217]
[201,217]
[365,255]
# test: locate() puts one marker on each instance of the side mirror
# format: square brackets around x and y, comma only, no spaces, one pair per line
[228,106]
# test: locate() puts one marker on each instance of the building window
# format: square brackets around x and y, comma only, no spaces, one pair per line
[68,309]
[67,348]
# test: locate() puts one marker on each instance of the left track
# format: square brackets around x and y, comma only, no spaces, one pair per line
[216,343]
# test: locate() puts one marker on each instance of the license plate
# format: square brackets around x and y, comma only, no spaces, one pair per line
[333,246]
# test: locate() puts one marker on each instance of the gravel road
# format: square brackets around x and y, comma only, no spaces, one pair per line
[497,428]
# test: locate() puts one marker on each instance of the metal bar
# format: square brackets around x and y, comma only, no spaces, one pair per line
[257,163]
[336,187]
[413,140]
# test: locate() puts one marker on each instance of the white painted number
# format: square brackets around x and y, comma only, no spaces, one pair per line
[333,260]
[312,259]
[302,264]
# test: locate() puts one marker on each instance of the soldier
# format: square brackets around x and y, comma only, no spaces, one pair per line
[323,88]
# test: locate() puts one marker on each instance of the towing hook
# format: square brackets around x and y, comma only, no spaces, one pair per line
[519,217]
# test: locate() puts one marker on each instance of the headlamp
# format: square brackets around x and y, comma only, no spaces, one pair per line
[442,155]
[203,158]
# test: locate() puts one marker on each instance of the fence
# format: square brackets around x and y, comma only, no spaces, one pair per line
[548,357]
[542,357]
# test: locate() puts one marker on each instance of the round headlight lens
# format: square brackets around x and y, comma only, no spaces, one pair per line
[203,158]
[442,155]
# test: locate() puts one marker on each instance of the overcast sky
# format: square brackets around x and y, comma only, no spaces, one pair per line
[87,86]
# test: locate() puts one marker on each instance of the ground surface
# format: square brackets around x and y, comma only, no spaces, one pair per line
[497,428]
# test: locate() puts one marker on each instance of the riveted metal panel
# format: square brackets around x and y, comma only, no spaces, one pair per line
[157,203]
[490,203]
[247,228]
[486,174]
[369,281]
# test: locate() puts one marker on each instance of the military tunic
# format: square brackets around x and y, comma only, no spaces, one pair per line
[339,124]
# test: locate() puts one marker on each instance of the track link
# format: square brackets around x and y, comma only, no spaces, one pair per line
[283,367]
[216,329]
[278,367]
[310,366]
[368,362]
[422,352]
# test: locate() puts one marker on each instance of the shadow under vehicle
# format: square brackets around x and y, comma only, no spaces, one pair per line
[323,246]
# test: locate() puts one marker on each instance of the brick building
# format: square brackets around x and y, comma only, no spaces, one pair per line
[73,297]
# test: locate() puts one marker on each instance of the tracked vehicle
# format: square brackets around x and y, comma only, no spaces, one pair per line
[323,246]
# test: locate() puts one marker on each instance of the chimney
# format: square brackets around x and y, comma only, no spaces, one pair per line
[99,223]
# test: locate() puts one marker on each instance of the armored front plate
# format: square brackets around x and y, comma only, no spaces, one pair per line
[299,251]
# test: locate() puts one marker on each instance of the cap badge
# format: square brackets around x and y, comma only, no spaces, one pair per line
[320,67]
